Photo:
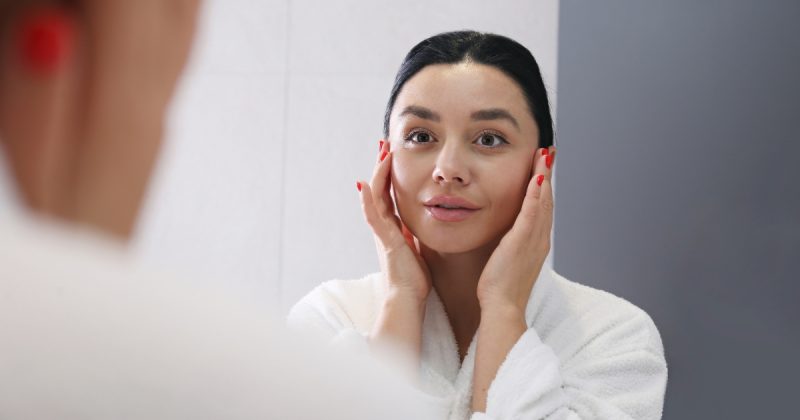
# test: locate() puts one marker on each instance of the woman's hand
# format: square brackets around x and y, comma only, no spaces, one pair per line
[400,260]
[509,275]
[399,324]
[508,278]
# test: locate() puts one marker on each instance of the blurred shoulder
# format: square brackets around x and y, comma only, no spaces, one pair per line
[599,315]
[341,303]
[347,292]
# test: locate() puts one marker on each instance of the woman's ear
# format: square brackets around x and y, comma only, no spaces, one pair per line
[38,91]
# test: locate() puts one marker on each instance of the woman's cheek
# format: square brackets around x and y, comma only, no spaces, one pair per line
[400,169]
[510,192]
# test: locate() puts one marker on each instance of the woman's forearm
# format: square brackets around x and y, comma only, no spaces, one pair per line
[499,330]
[398,328]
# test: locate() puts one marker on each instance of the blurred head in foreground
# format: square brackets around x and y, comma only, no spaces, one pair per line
[84,86]
[86,333]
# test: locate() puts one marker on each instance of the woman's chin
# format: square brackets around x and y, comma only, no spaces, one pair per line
[452,244]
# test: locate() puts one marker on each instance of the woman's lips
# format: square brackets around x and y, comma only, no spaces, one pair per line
[450,208]
[450,215]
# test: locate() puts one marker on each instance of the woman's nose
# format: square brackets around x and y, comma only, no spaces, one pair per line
[451,166]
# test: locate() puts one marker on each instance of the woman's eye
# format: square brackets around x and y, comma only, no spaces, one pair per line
[491,140]
[419,137]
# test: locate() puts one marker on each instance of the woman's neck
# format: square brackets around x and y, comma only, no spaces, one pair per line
[455,279]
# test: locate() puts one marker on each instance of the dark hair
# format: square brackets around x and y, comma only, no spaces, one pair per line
[497,51]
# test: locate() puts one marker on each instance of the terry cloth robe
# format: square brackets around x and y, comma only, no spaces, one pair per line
[87,333]
[587,354]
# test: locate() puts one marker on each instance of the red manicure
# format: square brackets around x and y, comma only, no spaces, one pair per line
[380,146]
[45,39]
[548,161]
[539,180]
[545,152]
[383,155]
[358,185]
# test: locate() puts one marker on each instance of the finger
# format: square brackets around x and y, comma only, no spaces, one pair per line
[387,191]
[387,197]
[386,231]
[382,147]
[38,84]
[368,208]
[530,204]
[544,217]
[550,162]
[546,202]
[381,150]
[379,185]
[543,162]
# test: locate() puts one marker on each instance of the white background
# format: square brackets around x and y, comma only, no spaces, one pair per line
[278,115]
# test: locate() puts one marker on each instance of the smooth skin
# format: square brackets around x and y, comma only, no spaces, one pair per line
[461,130]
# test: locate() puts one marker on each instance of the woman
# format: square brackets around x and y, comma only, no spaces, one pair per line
[463,288]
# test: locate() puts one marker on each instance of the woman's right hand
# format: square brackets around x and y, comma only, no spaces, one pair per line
[405,269]
[398,327]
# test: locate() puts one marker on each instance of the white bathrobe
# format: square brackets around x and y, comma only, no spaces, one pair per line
[86,332]
[587,354]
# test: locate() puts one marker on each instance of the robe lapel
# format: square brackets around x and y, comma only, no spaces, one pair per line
[442,373]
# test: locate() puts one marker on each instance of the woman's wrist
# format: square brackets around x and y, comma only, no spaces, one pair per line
[500,328]
[501,305]
[403,300]
[505,314]
[397,331]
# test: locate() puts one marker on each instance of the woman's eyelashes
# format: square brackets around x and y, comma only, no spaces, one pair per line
[419,137]
[490,140]
[486,139]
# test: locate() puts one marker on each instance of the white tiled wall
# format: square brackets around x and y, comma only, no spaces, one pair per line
[279,114]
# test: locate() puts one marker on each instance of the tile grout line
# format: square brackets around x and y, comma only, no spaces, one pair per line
[284,156]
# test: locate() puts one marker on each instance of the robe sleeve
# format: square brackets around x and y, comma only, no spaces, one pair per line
[620,374]
[316,315]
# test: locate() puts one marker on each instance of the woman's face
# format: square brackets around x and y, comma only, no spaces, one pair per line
[463,141]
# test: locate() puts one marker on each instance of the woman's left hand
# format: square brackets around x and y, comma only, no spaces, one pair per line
[509,275]
[508,278]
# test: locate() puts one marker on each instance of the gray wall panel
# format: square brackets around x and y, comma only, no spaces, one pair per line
[678,187]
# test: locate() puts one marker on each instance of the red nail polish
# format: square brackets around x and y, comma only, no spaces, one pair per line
[380,145]
[45,39]
[539,180]
[358,186]
[548,161]
[383,155]
[545,152]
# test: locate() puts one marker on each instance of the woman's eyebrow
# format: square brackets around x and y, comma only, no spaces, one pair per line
[421,112]
[494,114]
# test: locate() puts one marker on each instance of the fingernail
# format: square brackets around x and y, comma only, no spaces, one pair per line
[548,161]
[539,180]
[383,155]
[545,152]
[358,186]
[44,39]
[380,145]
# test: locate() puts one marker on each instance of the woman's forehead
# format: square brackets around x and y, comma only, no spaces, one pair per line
[461,89]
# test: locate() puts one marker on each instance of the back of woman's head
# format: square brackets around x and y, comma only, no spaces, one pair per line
[493,50]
